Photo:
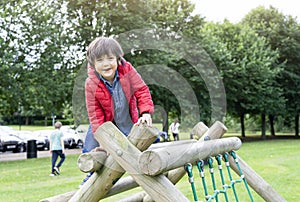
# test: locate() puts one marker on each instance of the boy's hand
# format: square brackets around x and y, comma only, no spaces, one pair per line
[146,118]
[98,149]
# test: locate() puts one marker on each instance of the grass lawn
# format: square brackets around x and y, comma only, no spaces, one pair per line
[277,161]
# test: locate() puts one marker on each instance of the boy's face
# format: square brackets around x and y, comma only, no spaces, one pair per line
[106,66]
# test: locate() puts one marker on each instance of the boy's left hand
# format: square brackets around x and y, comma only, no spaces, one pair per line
[145,118]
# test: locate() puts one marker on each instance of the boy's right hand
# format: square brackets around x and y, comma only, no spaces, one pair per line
[145,118]
[98,149]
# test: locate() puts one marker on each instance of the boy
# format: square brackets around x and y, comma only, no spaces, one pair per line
[114,90]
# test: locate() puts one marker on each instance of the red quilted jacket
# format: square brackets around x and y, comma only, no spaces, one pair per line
[99,101]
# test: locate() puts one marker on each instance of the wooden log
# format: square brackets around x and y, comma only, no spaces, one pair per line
[92,161]
[102,181]
[258,184]
[199,130]
[60,198]
[157,161]
[126,154]
[124,184]
[216,131]
[170,144]
[138,197]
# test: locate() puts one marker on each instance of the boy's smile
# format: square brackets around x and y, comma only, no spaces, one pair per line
[106,66]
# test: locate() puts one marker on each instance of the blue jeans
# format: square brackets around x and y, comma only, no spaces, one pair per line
[55,154]
[90,142]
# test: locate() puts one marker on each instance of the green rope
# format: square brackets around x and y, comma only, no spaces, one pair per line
[200,166]
[188,168]
[211,171]
[232,153]
[219,160]
[225,156]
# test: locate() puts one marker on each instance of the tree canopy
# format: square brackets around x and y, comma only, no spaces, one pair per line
[195,69]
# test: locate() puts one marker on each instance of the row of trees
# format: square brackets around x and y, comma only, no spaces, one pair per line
[195,69]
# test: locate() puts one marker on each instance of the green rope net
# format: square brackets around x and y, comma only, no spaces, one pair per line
[225,187]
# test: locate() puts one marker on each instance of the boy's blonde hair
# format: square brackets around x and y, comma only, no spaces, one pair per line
[58,125]
[103,46]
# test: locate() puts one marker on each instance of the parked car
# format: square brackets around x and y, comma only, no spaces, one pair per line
[72,136]
[82,130]
[11,142]
[41,142]
[5,129]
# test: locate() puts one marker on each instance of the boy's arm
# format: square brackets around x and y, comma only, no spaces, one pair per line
[95,111]
[133,85]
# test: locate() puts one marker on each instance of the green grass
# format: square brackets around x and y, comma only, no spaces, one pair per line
[277,161]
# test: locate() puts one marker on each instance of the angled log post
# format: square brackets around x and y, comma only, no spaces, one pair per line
[256,182]
[124,184]
[126,154]
[199,130]
[103,180]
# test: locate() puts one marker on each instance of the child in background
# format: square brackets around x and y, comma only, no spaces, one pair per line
[57,148]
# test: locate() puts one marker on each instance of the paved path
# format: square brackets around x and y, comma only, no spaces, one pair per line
[8,156]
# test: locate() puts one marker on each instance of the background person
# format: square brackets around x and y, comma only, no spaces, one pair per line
[57,148]
[174,128]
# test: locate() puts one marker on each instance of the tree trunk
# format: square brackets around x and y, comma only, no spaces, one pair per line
[165,119]
[297,125]
[46,120]
[271,119]
[242,125]
[263,126]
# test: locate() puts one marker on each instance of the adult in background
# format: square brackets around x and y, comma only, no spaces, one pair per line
[57,148]
[174,127]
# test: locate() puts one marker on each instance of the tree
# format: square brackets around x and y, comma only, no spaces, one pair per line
[247,66]
[40,72]
[282,34]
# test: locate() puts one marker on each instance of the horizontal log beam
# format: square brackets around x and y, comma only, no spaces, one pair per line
[154,162]
[92,161]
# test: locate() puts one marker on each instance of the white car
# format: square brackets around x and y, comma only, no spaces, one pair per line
[74,139]
[41,142]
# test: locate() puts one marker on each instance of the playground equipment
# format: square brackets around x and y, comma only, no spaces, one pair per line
[158,167]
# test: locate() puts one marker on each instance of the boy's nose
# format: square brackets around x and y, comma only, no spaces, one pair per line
[105,62]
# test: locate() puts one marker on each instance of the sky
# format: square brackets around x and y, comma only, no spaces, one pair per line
[235,10]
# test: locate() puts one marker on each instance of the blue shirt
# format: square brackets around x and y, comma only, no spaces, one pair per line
[122,116]
[55,139]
